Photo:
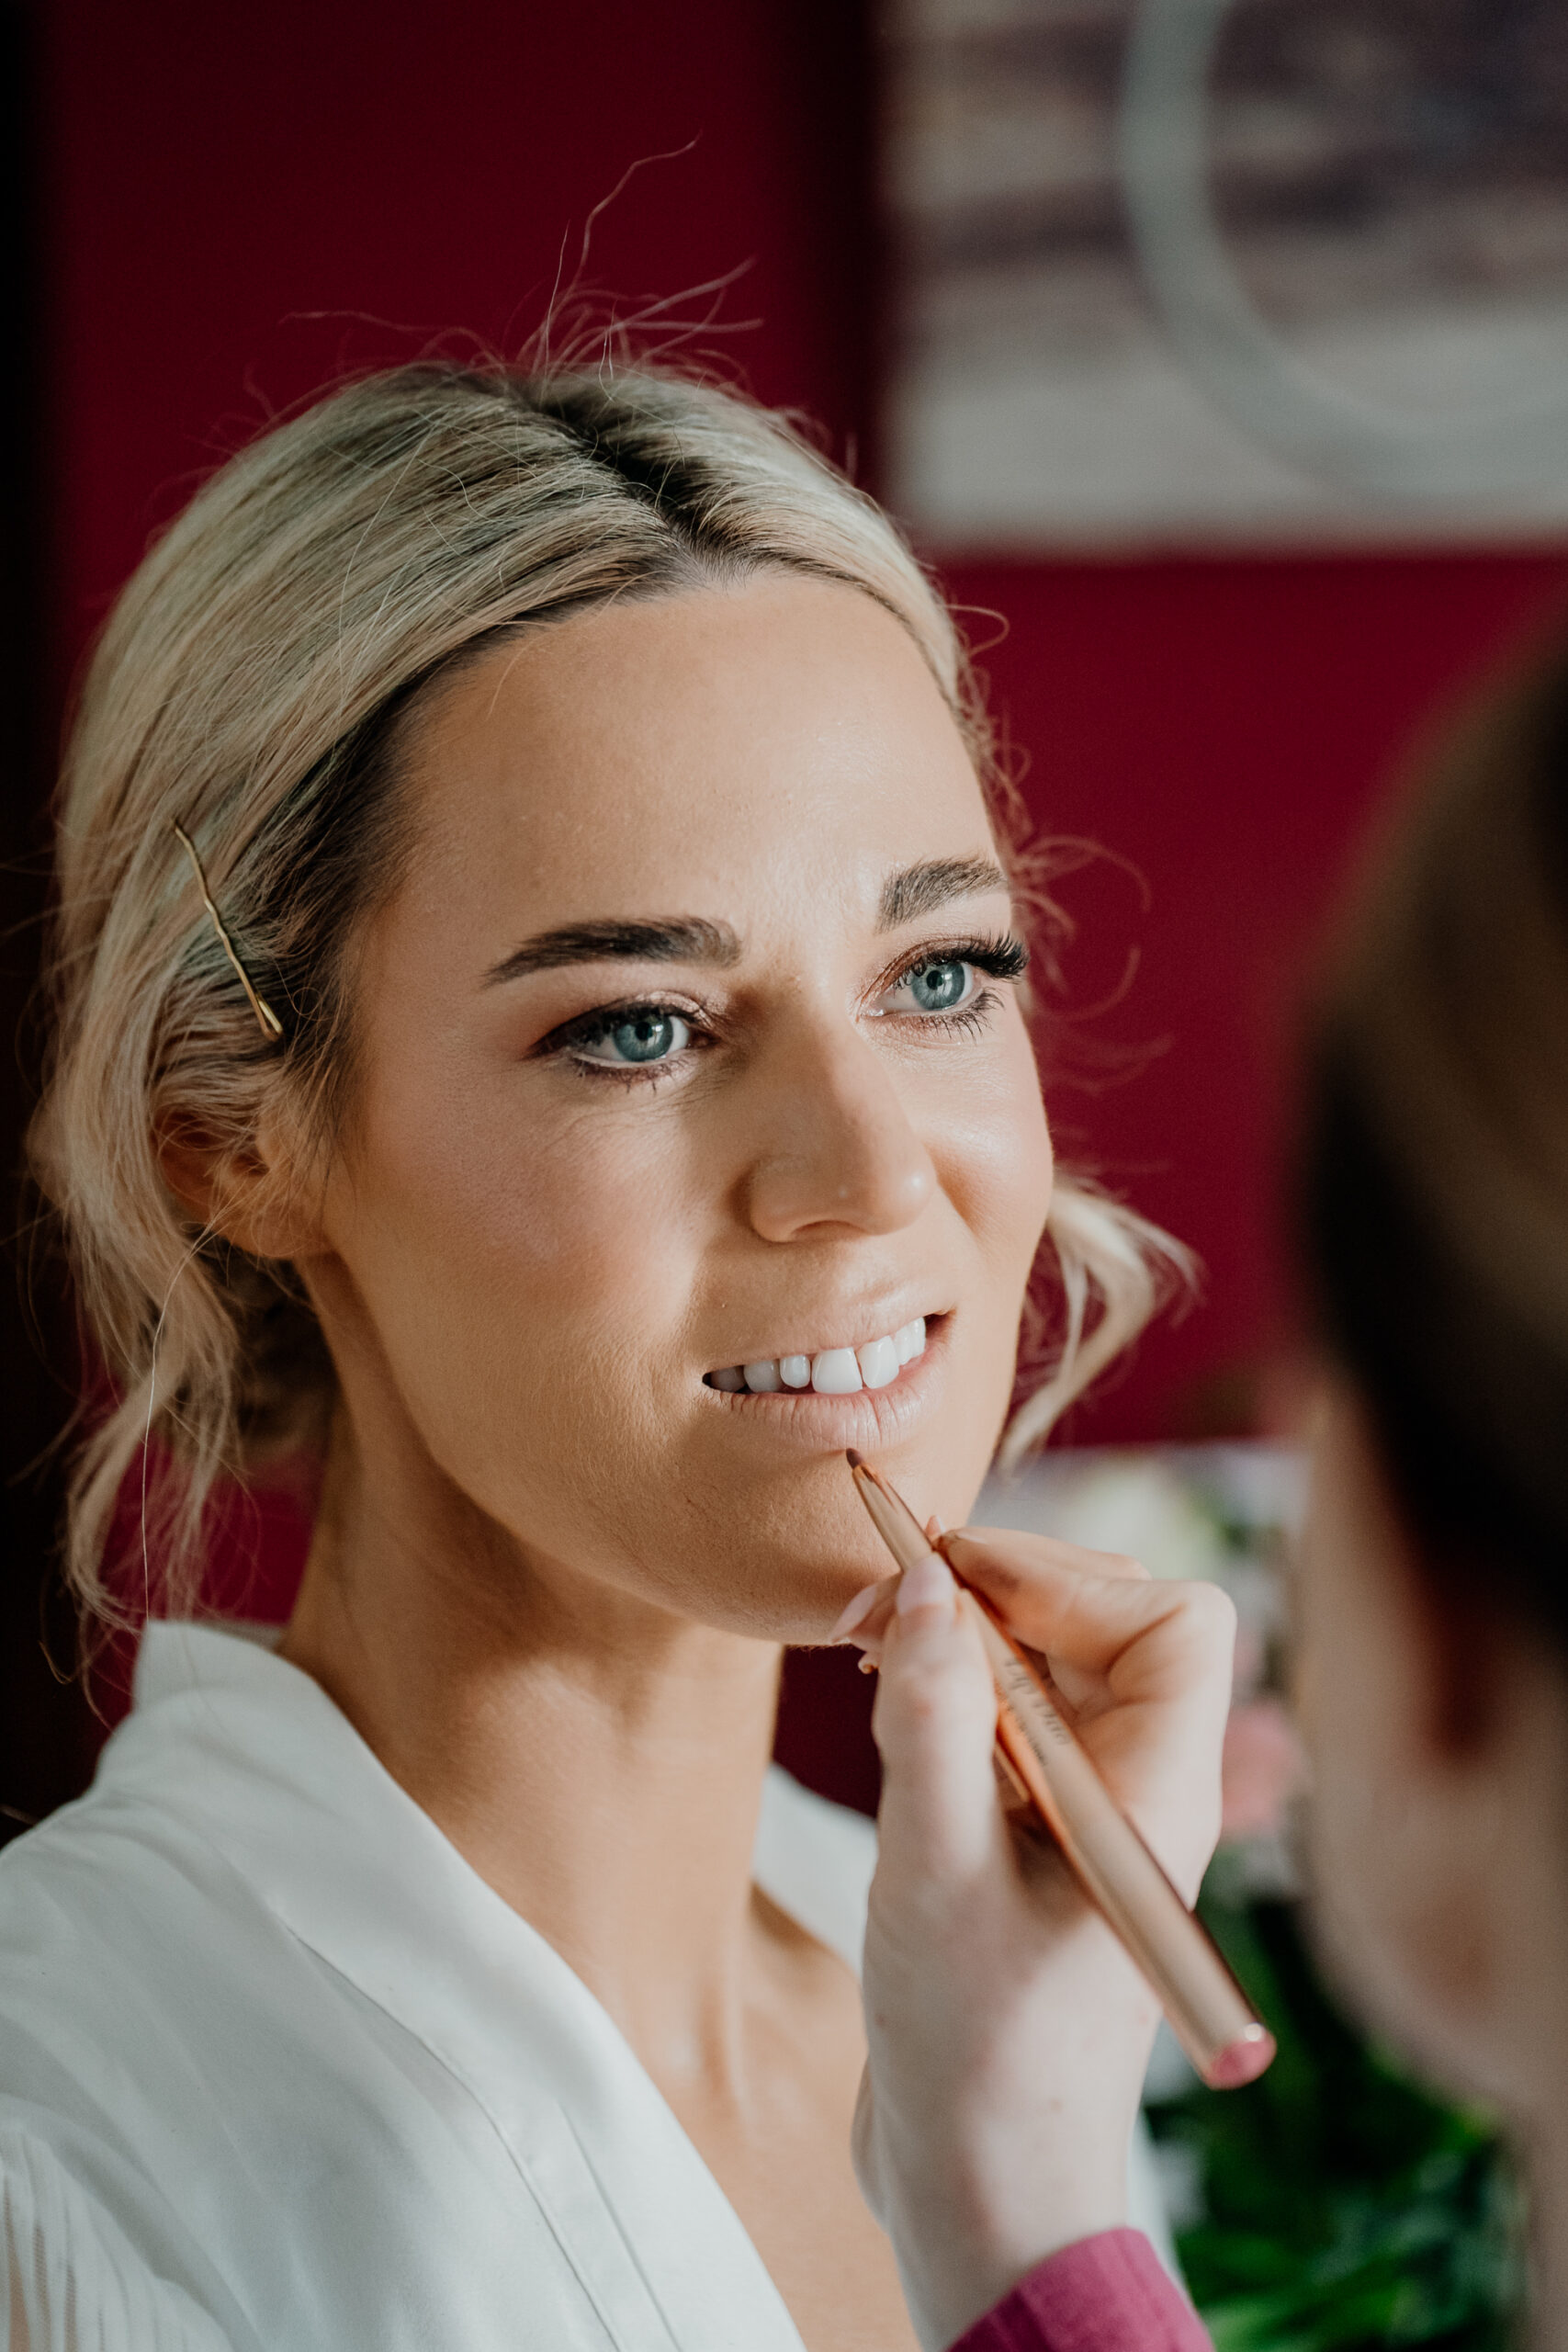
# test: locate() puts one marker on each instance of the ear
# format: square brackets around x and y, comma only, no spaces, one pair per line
[250,1195]
[1407,1704]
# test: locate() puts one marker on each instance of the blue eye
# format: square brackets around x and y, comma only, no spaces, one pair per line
[942,985]
[649,1034]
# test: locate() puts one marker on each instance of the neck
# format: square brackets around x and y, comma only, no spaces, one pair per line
[598,1760]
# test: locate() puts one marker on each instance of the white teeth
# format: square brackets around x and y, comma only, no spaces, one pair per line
[834,1372]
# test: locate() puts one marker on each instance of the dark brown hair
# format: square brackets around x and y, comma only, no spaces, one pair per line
[1434,1179]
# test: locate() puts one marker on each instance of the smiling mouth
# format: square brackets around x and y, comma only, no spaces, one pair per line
[831,1371]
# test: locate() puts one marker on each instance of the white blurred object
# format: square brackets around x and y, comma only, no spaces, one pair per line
[1135,1503]
[1146,1500]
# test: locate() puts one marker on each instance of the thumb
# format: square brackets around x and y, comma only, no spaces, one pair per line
[935,1721]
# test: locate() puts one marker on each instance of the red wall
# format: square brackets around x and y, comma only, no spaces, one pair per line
[246,197]
[239,196]
[1230,729]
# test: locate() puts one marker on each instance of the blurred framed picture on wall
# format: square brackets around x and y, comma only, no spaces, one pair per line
[1235,273]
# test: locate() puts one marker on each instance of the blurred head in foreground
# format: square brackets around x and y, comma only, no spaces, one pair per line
[1435,1578]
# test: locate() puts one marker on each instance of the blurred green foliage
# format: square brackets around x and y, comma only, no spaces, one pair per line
[1343,2207]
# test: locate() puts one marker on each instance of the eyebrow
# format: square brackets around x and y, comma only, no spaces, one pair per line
[935,882]
[694,939]
[663,939]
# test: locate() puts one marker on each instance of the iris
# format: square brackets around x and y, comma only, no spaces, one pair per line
[645,1036]
[937,986]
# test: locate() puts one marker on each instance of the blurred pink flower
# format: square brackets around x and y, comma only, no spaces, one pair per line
[1264,1767]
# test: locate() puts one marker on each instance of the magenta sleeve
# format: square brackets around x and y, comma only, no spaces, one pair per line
[1109,2293]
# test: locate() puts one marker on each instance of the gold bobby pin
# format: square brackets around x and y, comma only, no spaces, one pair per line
[272,1027]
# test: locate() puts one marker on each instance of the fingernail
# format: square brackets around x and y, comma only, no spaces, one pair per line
[859,1610]
[921,1587]
[934,1529]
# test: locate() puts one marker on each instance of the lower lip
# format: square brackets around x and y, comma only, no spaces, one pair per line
[867,1417]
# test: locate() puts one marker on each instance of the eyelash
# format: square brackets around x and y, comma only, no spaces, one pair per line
[1003,957]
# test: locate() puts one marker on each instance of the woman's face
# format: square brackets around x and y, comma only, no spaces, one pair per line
[691,1043]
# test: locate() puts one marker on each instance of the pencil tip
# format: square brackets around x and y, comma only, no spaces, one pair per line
[855,1460]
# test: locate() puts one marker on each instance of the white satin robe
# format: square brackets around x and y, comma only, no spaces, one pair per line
[279,2072]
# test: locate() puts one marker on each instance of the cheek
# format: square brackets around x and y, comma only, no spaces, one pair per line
[513,1280]
[995,1166]
[995,1162]
[533,1283]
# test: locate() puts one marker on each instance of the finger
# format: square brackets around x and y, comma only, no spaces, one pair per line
[867,1604]
[864,1621]
[1099,1615]
[1006,1578]
[1155,1661]
[1013,1557]
[865,1630]
[934,1723]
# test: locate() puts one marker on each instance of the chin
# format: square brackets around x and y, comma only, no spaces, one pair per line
[801,1570]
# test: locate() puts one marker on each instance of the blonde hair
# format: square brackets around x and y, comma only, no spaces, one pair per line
[250,683]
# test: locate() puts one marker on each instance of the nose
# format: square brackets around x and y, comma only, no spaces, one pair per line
[841,1156]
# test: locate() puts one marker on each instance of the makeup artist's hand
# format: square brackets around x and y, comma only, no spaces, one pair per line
[1008,2032]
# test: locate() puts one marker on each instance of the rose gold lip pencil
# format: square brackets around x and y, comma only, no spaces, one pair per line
[1208,2011]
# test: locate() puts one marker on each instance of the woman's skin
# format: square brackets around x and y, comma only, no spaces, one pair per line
[554,1566]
